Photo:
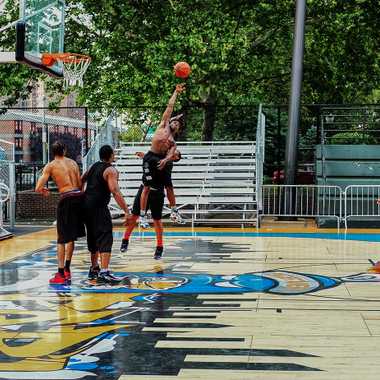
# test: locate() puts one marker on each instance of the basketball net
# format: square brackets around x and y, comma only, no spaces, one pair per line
[74,66]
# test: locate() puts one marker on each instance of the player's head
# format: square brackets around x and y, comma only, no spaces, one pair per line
[106,153]
[177,155]
[175,124]
[58,149]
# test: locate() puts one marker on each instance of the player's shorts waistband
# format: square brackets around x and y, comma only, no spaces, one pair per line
[71,193]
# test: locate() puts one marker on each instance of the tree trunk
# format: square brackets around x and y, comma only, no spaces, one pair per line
[209,119]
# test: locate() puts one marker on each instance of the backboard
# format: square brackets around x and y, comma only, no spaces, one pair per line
[40,30]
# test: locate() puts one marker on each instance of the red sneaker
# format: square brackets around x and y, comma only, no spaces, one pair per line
[58,279]
[67,275]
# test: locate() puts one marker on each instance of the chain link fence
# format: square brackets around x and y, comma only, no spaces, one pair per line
[34,130]
[7,180]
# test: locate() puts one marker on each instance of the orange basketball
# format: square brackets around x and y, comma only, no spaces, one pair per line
[182,70]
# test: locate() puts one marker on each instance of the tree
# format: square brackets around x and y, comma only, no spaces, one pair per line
[240,52]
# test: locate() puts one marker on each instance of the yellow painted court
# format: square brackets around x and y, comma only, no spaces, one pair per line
[225,303]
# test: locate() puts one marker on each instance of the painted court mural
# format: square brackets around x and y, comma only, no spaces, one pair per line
[83,330]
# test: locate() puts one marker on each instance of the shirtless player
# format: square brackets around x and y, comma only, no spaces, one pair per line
[175,215]
[66,175]
[162,148]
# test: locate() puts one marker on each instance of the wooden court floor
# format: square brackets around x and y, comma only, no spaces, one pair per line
[223,304]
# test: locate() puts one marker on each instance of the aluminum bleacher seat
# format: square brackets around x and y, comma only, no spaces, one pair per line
[214,181]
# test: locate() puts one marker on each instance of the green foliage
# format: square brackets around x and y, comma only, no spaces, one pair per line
[353,138]
[132,134]
[240,52]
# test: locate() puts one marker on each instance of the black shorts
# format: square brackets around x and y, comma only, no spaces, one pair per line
[152,176]
[99,229]
[70,224]
[155,203]
[167,174]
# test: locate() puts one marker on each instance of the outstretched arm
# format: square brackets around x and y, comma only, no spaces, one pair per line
[42,181]
[169,108]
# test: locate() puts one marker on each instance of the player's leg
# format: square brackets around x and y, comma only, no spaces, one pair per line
[69,250]
[132,221]
[152,179]
[104,245]
[59,277]
[94,270]
[62,233]
[156,204]
[175,215]
[159,229]
[90,223]
[69,227]
[148,166]
[144,223]
[128,232]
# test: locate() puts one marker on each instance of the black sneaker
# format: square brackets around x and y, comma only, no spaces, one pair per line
[124,245]
[93,273]
[158,253]
[108,278]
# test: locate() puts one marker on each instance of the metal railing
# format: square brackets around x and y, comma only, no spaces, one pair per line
[319,201]
[7,178]
[302,201]
[4,197]
[360,201]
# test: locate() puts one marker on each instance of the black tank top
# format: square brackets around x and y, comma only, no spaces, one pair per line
[97,193]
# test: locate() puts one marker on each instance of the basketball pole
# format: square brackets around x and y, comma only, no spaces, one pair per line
[295,94]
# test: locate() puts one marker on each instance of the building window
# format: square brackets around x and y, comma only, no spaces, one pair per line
[19,143]
[18,127]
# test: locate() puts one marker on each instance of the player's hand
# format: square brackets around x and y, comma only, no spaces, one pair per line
[378,202]
[45,192]
[180,87]
[140,154]
[161,164]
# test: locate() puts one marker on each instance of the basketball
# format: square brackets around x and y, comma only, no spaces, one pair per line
[182,70]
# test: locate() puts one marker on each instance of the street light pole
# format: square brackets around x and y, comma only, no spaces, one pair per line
[295,94]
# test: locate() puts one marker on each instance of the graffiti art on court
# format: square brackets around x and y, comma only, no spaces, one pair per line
[73,331]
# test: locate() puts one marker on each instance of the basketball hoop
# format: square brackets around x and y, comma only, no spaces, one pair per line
[74,66]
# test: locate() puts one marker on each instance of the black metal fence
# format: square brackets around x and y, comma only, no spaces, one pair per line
[27,175]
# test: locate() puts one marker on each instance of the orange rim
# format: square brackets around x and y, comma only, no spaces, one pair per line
[49,59]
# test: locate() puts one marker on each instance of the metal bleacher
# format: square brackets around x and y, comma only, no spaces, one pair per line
[214,182]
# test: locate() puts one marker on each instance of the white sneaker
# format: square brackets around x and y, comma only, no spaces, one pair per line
[176,217]
[143,222]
